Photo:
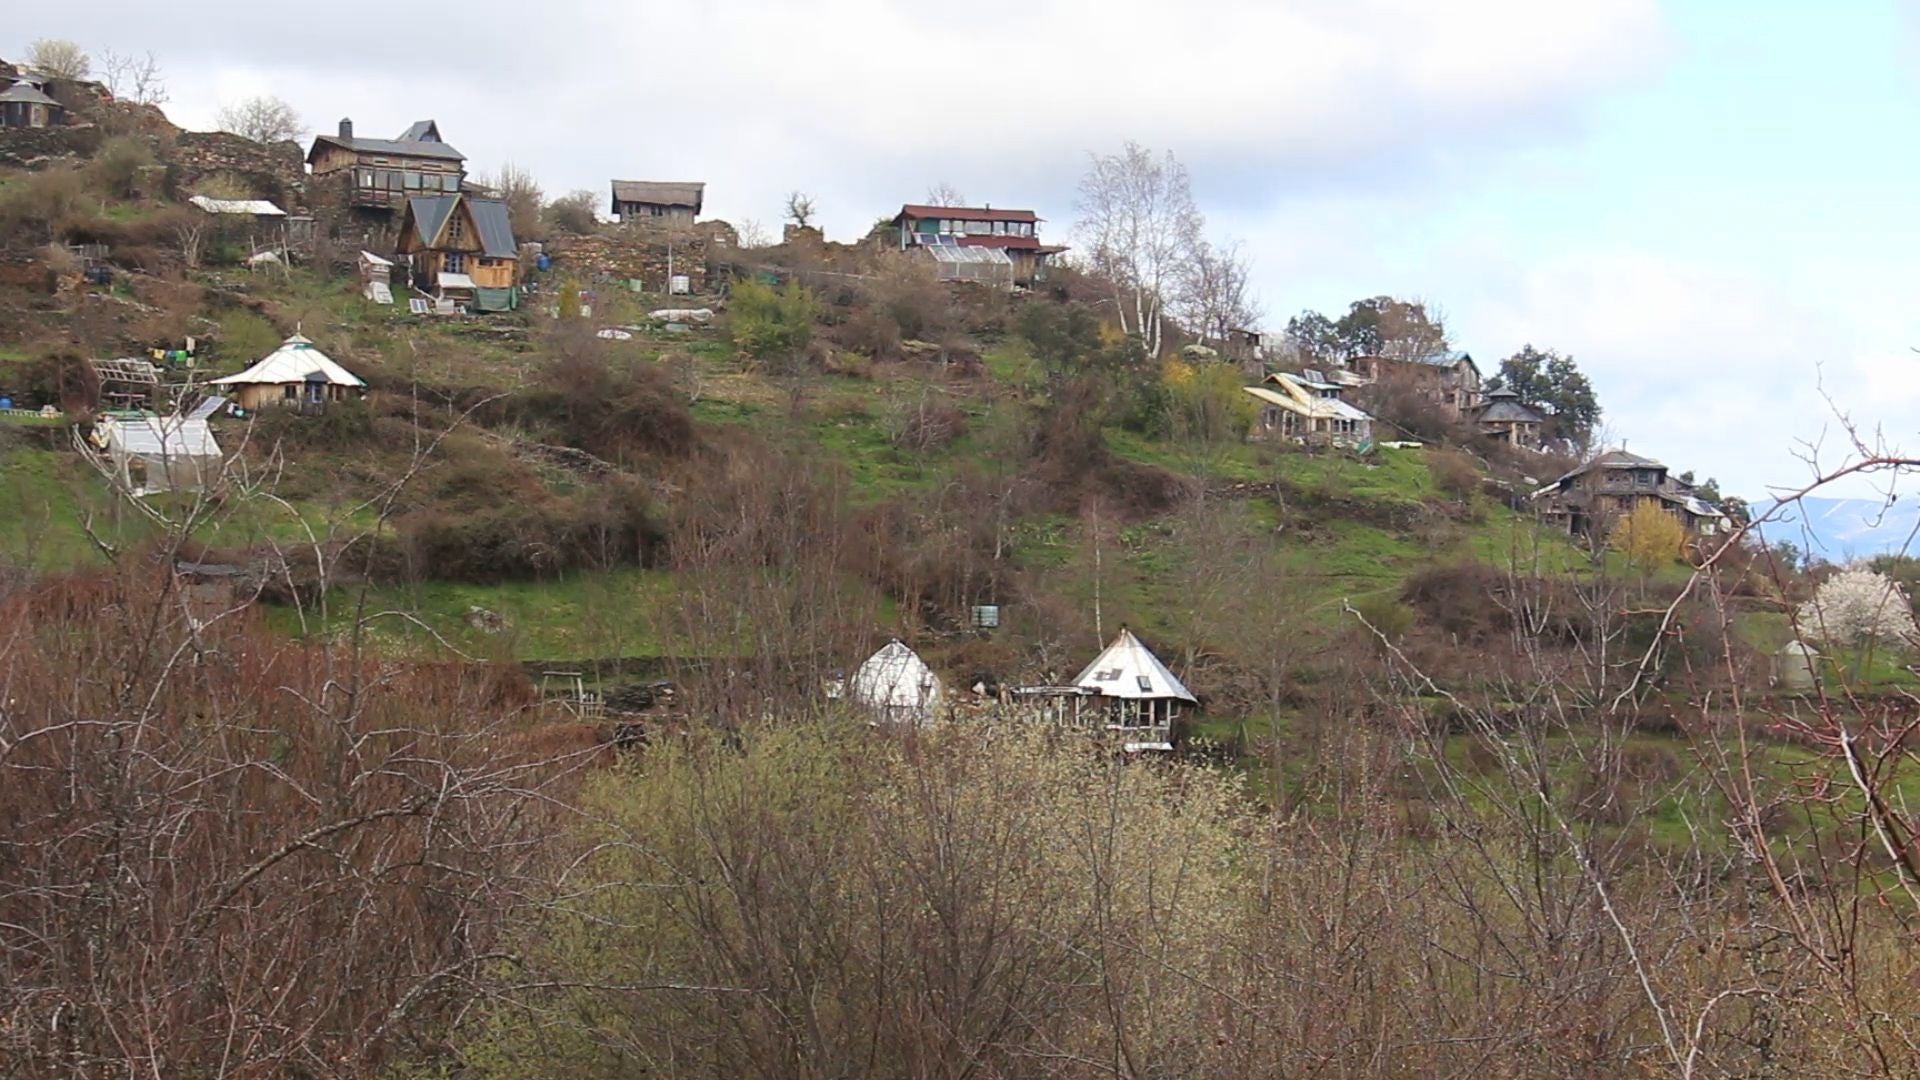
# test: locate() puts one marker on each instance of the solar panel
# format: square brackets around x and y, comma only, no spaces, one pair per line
[207,408]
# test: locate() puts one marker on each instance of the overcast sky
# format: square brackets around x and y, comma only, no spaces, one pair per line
[1710,205]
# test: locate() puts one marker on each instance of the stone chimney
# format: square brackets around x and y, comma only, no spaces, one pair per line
[346,128]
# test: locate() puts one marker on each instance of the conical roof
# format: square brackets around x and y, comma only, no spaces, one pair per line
[1128,669]
[295,361]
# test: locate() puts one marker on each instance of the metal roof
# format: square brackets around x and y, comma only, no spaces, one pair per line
[1505,407]
[1319,408]
[249,207]
[451,280]
[413,142]
[295,361]
[22,93]
[964,213]
[1128,669]
[495,222]
[660,193]
[490,217]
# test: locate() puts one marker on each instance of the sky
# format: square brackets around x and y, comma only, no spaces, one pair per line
[1708,205]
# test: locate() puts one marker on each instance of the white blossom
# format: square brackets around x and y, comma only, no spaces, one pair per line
[1858,606]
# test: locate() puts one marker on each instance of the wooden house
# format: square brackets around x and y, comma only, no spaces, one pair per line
[1309,408]
[1015,233]
[1504,418]
[26,104]
[295,375]
[1588,500]
[461,247]
[380,174]
[667,202]
[1449,380]
[1135,693]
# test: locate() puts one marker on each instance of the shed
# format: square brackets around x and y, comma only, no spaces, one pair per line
[295,374]
[897,685]
[1796,666]
[1138,691]
[675,200]
[152,453]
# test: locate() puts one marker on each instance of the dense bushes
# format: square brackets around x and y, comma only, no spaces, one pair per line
[771,324]
[617,412]
[505,540]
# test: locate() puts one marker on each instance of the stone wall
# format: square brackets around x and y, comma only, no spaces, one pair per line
[37,148]
[640,250]
[275,171]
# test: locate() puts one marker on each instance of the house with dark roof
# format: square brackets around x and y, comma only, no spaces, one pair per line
[381,174]
[1014,233]
[460,247]
[1503,417]
[1588,500]
[26,104]
[675,202]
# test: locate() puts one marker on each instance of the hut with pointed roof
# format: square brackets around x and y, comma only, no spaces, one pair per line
[897,686]
[1138,696]
[27,105]
[296,375]
[1503,417]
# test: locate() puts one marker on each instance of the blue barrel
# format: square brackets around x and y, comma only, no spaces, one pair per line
[6,403]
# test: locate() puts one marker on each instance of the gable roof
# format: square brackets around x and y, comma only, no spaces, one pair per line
[421,139]
[964,213]
[1128,669]
[690,193]
[491,220]
[1293,395]
[295,361]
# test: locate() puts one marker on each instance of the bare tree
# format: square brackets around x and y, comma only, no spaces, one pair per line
[800,208]
[517,188]
[58,58]
[1141,227]
[945,194]
[574,213]
[753,234]
[134,78]
[1215,295]
[264,119]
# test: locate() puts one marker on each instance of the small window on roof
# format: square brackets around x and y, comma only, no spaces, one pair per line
[1146,684]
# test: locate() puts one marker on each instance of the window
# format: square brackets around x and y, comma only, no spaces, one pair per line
[999,228]
[415,181]
[456,263]
[366,178]
[450,183]
[946,227]
[289,391]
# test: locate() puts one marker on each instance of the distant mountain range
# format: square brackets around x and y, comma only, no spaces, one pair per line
[1839,530]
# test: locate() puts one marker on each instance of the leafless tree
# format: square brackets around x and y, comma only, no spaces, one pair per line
[1215,294]
[1140,226]
[800,208]
[945,194]
[574,212]
[134,78]
[753,234]
[518,189]
[264,119]
[58,58]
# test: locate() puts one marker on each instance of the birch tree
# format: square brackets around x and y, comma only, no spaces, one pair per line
[1214,291]
[1140,225]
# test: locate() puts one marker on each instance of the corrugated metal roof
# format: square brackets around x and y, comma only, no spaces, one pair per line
[1128,669]
[430,215]
[690,193]
[964,213]
[249,207]
[295,361]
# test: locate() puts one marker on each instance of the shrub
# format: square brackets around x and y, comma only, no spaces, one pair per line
[927,424]
[1453,473]
[771,324]
[1650,537]
[615,413]
[118,162]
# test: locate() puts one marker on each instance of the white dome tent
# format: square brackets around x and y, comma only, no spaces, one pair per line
[897,685]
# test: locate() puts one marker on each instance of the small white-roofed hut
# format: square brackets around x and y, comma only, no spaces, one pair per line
[897,685]
[159,453]
[1140,698]
[295,374]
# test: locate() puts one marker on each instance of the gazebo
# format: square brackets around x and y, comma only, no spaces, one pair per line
[1138,695]
[295,374]
[897,686]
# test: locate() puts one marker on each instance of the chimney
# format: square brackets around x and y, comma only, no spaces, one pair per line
[346,128]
